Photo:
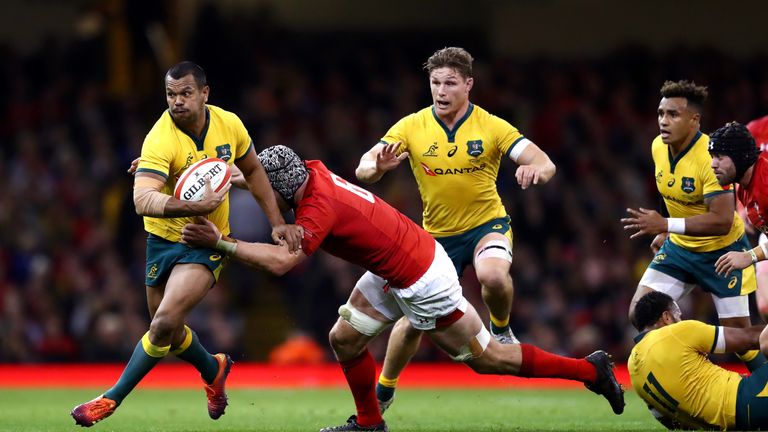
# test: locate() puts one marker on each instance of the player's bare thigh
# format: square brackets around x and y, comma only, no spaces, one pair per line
[186,286]
[459,334]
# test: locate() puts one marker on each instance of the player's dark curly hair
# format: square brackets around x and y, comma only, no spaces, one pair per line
[735,141]
[696,95]
[452,57]
[180,70]
[649,309]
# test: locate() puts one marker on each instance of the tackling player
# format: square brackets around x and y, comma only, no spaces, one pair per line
[455,149]
[703,223]
[670,370]
[178,276]
[736,159]
[408,275]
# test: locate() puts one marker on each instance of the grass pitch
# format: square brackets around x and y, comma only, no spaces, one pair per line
[309,410]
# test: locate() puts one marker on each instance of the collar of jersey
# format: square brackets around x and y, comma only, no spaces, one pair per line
[199,141]
[640,337]
[451,133]
[674,161]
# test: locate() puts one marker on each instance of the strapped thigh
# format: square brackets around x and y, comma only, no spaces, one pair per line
[495,249]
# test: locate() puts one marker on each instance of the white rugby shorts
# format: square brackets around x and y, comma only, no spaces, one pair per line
[435,295]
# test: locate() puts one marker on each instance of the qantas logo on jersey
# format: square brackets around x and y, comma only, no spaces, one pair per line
[447,171]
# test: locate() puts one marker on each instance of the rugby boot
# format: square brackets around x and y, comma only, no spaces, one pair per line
[217,395]
[94,411]
[351,425]
[605,383]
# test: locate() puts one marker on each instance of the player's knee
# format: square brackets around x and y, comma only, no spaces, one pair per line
[163,326]
[495,279]
[346,344]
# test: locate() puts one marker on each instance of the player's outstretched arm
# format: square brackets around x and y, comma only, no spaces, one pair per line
[273,258]
[535,167]
[378,160]
[742,339]
[716,221]
[149,201]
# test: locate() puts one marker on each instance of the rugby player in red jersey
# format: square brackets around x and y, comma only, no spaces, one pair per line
[737,159]
[408,274]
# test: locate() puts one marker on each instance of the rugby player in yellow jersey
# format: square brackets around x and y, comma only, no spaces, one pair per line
[454,149]
[179,276]
[670,370]
[703,224]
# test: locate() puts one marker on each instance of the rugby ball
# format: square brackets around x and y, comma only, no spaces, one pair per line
[191,184]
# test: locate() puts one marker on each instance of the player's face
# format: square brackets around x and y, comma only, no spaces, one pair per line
[186,100]
[450,91]
[676,121]
[724,169]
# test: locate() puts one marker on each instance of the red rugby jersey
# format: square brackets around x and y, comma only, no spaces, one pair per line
[754,196]
[759,129]
[356,225]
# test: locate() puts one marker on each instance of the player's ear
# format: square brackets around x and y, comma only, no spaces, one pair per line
[470,83]
[205,91]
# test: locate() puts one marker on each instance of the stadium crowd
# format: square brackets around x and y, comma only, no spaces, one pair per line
[71,245]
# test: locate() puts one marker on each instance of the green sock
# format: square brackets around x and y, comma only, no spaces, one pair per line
[756,359]
[192,351]
[138,366]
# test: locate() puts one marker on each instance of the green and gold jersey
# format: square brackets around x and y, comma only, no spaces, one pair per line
[169,150]
[456,169]
[685,182]
[671,371]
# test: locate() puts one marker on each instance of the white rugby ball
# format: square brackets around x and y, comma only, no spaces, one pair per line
[191,184]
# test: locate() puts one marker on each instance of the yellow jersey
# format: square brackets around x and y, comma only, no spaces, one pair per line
[168,151]
[671,371]
[685,182]
[456,169]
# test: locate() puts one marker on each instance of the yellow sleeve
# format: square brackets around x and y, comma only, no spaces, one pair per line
[699,336]
[398,132]
[244,141]
[507,136]
[156,155]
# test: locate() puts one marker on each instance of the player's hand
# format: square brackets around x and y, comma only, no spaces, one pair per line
[527,175]
[211,199]
[202,233]
[732,261]
[658,241]
[134,166]
[387,159]
[644,221]
[290,235]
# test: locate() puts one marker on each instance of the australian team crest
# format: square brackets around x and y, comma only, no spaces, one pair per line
[688,185]
[224,152]
[475,148]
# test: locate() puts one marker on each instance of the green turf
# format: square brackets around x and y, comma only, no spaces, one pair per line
[309,410]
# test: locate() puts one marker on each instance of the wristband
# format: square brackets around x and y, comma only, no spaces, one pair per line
[676,225]
[227,247]
[753,255]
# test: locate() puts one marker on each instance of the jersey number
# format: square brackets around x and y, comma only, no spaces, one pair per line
[660,395]
[357,190]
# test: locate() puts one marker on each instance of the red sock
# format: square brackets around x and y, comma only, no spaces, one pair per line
[361,377]
[538,363]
